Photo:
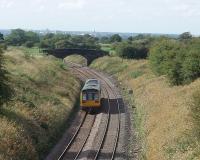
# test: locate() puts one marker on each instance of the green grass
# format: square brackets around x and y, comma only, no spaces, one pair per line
[136,74]
[108,48]
[45,94]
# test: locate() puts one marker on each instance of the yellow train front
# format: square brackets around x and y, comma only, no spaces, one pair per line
[91,94]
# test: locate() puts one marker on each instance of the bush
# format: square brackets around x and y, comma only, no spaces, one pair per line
[131,51]
[29,44]
[180,61]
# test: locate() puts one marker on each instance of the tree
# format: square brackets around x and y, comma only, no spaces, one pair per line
[130,38]
[115,38]
[16,38]
[185,36]
[32,37]
[104,39]
[64,44]
[126,50]
[1,37]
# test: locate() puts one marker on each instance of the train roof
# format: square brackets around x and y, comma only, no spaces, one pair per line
[92,84]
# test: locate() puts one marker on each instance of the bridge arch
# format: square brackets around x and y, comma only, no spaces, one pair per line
[89,54]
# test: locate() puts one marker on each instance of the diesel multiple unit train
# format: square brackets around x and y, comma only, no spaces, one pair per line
[91,94]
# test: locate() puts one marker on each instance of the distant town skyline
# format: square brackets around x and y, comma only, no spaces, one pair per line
[134,16]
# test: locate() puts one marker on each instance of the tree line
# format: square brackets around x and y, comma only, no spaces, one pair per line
[177,58]
[19,37]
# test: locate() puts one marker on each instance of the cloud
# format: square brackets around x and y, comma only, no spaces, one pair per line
[5,4]
[71,4]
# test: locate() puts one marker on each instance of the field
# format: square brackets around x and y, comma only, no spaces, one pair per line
[44,96]
[162,112]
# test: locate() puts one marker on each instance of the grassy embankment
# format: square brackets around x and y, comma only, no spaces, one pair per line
[162,118]
[44,96]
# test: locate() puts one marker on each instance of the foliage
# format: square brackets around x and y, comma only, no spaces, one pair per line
[52,41]
[185,36]
[134,51]
[29,44]
[105,40]
[16,38]
[20,37]
[115,38]
[180,61]
[5,91]
[1,37]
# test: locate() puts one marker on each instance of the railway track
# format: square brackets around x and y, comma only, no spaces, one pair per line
[106,141]
[103,147]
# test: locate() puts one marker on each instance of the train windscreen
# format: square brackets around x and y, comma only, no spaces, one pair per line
[90,95]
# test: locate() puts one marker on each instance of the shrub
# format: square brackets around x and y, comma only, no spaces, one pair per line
[29,44]
[131,51]
[191,64]
[180,61]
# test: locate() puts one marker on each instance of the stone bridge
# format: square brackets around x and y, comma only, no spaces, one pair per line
[89,54]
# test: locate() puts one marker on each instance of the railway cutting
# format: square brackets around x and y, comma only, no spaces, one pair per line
[96,135]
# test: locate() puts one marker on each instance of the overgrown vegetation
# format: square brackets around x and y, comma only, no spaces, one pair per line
[162,116]
[179,60]
[132,50]
[44,96]
[5,90]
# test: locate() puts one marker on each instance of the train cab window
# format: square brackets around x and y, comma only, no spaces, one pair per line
[84,97]
[90,96]
[96,96]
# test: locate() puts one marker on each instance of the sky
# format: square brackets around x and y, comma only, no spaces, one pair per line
[138,16]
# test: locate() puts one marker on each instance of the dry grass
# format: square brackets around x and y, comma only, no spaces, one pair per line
[163,115]
[44,96]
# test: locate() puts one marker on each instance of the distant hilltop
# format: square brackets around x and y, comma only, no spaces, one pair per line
[95,34]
